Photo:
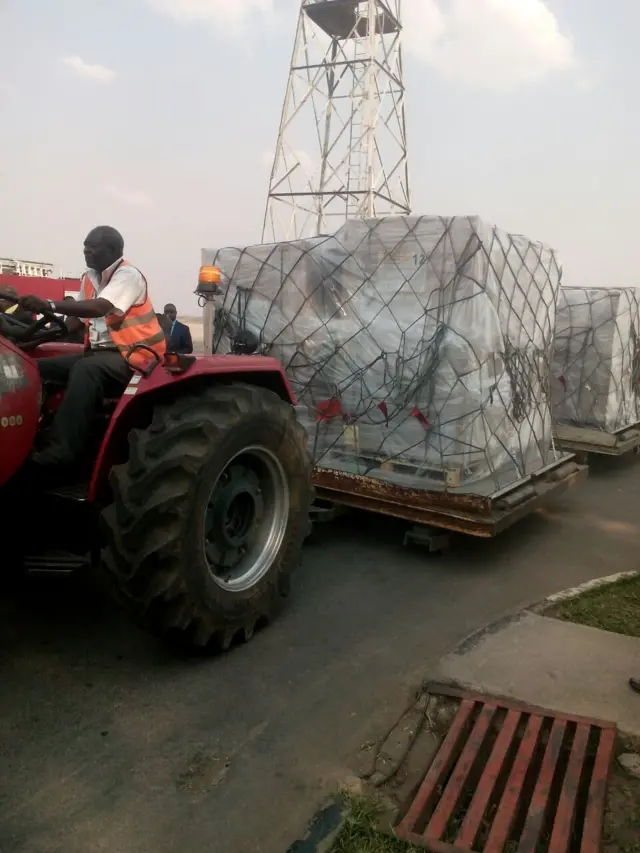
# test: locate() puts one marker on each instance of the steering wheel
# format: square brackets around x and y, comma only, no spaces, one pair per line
[29,336]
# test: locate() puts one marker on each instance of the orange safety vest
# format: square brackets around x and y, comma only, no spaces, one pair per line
[138,326]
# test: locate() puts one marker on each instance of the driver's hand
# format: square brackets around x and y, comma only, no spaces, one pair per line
[34,305]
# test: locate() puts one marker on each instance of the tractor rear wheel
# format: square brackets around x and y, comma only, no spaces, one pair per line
[209,515]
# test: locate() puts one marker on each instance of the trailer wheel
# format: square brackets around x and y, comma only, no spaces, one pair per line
[209,515]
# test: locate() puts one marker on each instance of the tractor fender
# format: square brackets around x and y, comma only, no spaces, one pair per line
[135,408]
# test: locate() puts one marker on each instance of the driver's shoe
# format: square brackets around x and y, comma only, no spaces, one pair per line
[35,466]
[45,470]
[32,476]
[634,684]
[46,459]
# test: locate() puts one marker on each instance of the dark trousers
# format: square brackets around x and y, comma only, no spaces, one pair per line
[89,379]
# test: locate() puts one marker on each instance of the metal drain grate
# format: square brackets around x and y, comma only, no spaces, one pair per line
[513,779]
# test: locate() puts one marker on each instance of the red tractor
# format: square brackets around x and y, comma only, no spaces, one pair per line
[197,502]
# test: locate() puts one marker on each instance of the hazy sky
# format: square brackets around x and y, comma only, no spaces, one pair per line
[155,115]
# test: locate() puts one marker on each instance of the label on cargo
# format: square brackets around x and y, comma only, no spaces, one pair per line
[350,436]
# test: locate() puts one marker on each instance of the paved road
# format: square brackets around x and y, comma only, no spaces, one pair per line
[107,743]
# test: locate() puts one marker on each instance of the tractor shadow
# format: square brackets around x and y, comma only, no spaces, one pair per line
[67,617]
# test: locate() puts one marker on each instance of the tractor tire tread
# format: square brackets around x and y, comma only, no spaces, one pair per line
[144,527]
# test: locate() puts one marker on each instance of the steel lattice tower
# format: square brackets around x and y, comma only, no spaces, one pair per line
[342,146]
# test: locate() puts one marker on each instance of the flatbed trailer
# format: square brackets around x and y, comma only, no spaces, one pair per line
[455,512]
[584,440]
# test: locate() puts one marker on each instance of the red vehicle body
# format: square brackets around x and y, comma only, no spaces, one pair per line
[132,410]
[45,288]
[200,478]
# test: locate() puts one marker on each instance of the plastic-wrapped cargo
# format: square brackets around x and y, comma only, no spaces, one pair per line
[596,361]
[418,347]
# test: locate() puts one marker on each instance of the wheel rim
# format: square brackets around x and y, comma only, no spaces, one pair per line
[246,519]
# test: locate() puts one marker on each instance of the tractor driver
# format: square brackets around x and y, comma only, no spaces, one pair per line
[115,309]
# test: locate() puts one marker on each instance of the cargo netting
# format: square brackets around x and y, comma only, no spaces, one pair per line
[418,347]
[596,362]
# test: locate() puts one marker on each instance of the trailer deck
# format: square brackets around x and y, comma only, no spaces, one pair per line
[474,515]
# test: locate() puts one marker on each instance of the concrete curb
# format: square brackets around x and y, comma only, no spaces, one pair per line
[324,828]
[539,609]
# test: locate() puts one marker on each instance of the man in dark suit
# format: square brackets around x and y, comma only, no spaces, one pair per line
[178,334]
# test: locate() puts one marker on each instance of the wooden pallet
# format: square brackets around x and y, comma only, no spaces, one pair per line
[451,478]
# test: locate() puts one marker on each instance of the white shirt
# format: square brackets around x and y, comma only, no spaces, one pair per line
[125,288]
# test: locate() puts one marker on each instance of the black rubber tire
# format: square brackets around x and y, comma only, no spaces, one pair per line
[154,529]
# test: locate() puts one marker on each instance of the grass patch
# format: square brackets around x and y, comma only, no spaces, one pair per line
[360,833]
[615,607]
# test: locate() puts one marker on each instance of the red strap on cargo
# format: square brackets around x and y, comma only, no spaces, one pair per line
[328,409]
[422,420]
[383,408]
